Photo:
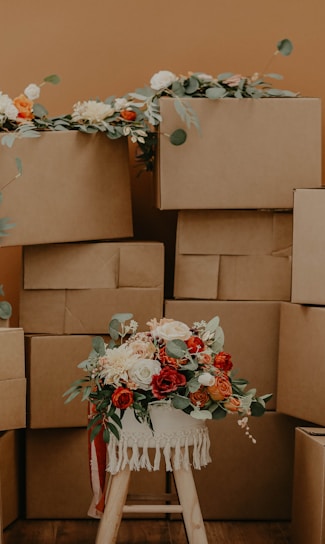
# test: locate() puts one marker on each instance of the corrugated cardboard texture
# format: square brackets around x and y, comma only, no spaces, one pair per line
[11,462]
[75,187]
[251,336]
[308,258]
[247,481]
[59,457]
[233,255]
[308,505]
[51,363]
[301,368]
[86,311]
[12,353]
[94,265]
[248,154]
[12,404]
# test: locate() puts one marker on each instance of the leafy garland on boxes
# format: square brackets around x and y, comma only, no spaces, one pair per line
[135,115]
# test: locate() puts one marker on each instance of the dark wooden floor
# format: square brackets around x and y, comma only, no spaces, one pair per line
[145,531]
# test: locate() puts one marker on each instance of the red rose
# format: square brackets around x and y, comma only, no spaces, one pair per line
[166,381]
[195,344]
[128,115]
[122,398]
[223,361]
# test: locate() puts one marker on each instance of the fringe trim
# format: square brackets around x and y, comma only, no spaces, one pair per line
[133,449]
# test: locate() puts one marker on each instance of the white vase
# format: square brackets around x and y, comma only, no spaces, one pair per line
[174,432]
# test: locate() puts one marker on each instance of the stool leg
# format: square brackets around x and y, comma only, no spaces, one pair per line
[116,496]
[189,501]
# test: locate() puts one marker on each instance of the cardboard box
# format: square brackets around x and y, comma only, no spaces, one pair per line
[251,336]
[249,481]
[234,232]
[301,368]
[94,265]
[59,457]
[11,463]
[86,311]
[248,154]
[52,368]
[233,255]
[12,404]
[74,187]
[308,258]
[308,511]
[12,353]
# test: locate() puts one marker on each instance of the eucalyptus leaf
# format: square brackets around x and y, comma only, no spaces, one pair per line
[114,430]
[122,317]
[193,385]
[213,324]
[192,85]
[106,436]
[5,310]
[8,139]
[95,431]
[180,402]
[176,348]
[285,47]
[53,78]
[39,110]
[257,409]
[99,345]
[178,137]
[114,328]
[201,414]
[215,92]
[274,76]
[19,165]
[225,75]
[218,413]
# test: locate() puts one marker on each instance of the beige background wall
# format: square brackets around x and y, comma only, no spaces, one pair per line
[103,48]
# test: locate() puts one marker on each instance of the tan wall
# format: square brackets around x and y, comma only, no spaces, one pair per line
[104,48]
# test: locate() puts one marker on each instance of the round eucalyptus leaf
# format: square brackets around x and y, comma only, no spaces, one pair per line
[285,47]
[178,137]
[201,414]
[191,85]
[215,92]
[5,310]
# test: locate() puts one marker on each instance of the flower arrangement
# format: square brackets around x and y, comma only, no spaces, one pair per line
[169,363]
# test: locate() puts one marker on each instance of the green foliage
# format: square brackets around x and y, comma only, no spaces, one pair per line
[285,47]
[178,137]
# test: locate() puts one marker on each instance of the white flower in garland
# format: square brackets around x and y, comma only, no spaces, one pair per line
[32,91]
[162,80]
[92,111]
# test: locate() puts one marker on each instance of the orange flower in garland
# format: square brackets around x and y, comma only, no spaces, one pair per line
[200,397]
[223,361]
[221,388]
[24,107]
[128,115]
[195,344]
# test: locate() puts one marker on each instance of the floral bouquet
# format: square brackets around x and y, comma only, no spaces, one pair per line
[169,363]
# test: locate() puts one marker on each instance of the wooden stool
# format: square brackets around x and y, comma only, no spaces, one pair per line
[188,506]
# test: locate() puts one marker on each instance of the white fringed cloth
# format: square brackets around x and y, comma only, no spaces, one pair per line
[178,441]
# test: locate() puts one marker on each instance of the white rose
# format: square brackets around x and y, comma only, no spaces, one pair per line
[141,372]
[162,79]
[172,331]
[141,349]
[11,112]
[32,91]
[206,379]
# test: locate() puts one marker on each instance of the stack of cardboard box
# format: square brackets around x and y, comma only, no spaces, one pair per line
[301,376]
[12,420]
[73,216]
[233,186]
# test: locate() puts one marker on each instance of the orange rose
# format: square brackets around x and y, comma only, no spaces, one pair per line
[24,106]
[200,397]
[128,115]
[232,404]
[221,388]
[122,398]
